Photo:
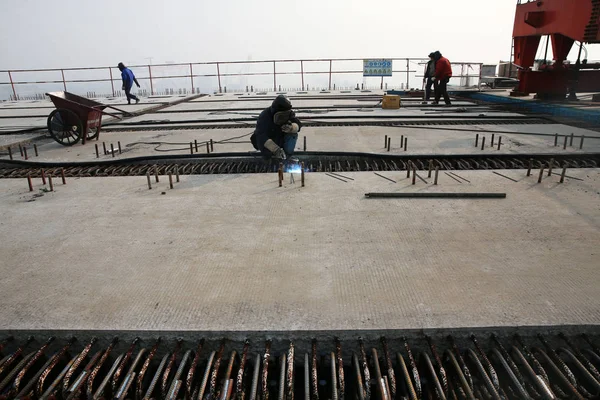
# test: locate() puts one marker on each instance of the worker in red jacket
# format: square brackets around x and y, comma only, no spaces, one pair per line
[443,73]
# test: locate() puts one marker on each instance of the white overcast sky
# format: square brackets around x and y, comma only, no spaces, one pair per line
[77,33]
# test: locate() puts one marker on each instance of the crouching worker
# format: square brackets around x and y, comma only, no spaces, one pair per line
[277,130]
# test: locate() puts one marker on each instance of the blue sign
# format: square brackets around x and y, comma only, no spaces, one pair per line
[379,67]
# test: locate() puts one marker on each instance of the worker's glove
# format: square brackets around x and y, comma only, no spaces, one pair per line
[290,128]
[276,150]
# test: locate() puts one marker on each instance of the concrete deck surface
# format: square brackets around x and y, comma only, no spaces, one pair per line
[422,140]
[238,253]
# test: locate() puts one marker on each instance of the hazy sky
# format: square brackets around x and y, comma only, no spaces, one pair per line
[73,33]
[85,33]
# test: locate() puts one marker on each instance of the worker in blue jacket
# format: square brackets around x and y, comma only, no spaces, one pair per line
[128,80]
[277,130]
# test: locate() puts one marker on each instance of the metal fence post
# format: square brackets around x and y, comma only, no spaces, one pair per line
[13,85]
[151,86]
[330,65]
[407,74]
[192,77]
[302,72]
[219,77]
[63,76]
[274,78]
[112,83]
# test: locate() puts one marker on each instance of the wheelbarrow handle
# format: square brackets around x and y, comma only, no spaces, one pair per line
[127,113]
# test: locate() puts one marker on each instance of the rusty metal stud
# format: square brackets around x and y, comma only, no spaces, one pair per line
[50,183]
[170,180]
[191,148]
[384,141]
[104,146]
[414,177]
[541,174]
[555,139]
[62,175]
[30,183]
[499,142]
[389,143]
[571,141]
[565,143]
[530,167]
[401,140]
[177,173]
[581,142]
[477,140]
[302,173]
[21,149]
[550,166]
[305,143]
[562,175]
[112,150]
[156,173]
[405,143]
[280,174]
[10,153]
[207,148]
[492,144]
[35,150]
[482,143]
[196,145]
[435,179]
[97,153]
[430,168]
[43,176]
[212,148]
[408,166]
[119,144]
[25,152]
[149,181]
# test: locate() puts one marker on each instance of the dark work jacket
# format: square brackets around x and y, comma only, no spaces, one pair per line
[430,69]
[266,129]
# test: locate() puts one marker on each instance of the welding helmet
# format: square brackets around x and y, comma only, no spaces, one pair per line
[282,110]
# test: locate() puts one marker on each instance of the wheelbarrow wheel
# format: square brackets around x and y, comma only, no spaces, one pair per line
[65,126]
[92,133]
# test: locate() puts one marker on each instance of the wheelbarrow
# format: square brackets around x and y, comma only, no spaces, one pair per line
[76,118]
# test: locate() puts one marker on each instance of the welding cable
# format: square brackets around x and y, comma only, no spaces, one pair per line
[203,143]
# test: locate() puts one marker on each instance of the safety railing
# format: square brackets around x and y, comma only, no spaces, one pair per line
[251,76]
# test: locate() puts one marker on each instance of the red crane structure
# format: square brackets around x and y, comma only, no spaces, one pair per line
[565,22]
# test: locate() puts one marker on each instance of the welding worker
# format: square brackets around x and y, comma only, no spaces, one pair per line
[128,80]
[443,73]
[429,78]
[277,130]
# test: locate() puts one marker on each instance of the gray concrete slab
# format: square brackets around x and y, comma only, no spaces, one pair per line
[236,253]
[423,140]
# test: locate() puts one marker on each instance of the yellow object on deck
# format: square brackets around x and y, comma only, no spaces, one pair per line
[390,102]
